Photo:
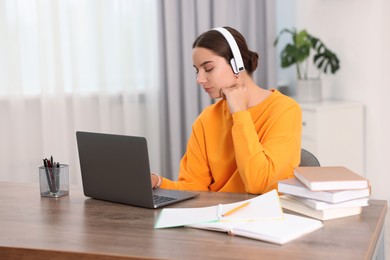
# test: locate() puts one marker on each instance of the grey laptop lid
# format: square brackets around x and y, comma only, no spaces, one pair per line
[116,168]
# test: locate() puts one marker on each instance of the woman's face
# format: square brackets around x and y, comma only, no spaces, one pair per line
[213,72]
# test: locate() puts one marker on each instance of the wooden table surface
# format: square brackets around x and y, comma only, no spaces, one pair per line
[77,227]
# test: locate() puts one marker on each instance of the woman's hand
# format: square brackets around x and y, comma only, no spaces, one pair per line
[155,180]
[236,96]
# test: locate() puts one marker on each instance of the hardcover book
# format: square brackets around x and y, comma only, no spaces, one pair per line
[325,214]
[321,205]
[295,187]
[330,178]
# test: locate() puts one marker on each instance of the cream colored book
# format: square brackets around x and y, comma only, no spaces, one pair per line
[326,214]
[330,178]
[293,186]
[277,231]
[321,205]
[265,206]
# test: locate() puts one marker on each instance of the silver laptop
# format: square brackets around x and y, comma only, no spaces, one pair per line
[116,168]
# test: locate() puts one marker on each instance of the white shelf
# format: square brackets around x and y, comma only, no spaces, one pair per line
[333,131]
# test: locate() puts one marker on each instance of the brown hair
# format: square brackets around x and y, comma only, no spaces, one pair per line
[216,42]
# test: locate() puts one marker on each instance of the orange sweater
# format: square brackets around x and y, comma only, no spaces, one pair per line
[247,152]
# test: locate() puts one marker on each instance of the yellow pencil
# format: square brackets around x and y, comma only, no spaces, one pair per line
[235,209]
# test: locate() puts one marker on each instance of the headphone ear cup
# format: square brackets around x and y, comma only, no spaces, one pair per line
[234,65]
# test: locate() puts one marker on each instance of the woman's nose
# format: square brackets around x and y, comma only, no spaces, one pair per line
[200,78]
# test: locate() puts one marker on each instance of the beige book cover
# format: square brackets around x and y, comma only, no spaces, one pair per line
[326,214]
[293,186]
[330,178]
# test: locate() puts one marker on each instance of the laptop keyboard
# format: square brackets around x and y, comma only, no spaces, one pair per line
[161,199]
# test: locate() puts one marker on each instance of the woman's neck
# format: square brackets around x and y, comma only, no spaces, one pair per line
[256,94]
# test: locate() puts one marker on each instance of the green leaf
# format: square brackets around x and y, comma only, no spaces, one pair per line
[298,50]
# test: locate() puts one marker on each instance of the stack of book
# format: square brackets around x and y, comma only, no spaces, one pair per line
[325,192]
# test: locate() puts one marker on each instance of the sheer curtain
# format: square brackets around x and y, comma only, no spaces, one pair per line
[74,65]
[180,22]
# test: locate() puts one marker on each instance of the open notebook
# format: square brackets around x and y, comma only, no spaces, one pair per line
[277,231]
[262,218]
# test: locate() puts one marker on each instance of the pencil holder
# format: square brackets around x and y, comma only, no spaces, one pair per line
[54,181]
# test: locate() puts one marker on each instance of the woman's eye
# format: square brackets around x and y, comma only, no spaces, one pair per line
[208,70]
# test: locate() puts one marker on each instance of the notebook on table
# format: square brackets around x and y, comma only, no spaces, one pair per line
[116,168]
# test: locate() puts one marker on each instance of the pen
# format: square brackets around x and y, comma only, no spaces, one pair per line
[51,171]
[48,177]
[56,175]
[235,209]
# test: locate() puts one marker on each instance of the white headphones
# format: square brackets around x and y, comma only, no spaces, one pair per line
[236,62]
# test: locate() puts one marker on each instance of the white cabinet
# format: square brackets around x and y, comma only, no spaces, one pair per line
[334,132]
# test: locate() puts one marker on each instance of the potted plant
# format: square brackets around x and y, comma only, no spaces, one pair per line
[298,53]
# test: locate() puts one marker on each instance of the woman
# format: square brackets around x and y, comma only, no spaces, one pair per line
[250,138]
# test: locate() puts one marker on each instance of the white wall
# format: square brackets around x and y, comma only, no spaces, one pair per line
[359,32]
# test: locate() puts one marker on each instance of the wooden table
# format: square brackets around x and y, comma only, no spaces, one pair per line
[76,227]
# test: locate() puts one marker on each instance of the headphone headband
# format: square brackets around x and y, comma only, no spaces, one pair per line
[237,62]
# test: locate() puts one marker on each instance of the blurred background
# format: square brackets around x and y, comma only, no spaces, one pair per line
[124,67]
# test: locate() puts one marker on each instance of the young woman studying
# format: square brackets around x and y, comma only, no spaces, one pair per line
[250,138]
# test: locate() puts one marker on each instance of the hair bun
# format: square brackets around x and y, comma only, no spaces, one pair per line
[254,60]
